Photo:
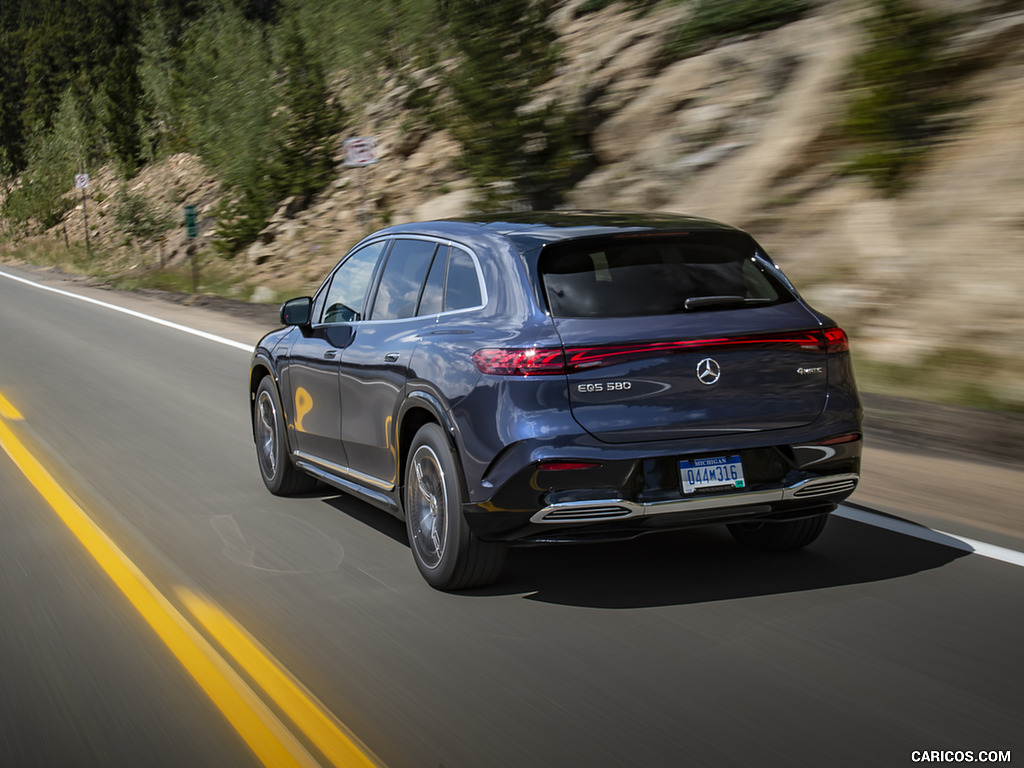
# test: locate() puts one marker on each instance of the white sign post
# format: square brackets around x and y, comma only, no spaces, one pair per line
[361,151]
[82,183]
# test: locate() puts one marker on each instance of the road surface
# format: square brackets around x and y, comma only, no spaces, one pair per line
[159,607]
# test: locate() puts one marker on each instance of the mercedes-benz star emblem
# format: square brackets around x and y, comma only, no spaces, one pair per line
[708,371]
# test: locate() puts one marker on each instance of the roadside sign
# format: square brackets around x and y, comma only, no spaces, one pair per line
[82,181]
[191,224]
[360,151]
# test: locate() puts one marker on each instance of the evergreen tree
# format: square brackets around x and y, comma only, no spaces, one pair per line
[508,50]
[54,157]
[122,94]
[12,87]
[903,84]
[312,120]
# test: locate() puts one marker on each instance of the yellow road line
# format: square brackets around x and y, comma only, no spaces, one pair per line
[265,734]
[326,732]
[8,411]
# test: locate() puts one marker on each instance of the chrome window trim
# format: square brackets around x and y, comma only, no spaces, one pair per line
[443,243]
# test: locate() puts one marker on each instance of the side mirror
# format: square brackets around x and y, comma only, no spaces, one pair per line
[297,311]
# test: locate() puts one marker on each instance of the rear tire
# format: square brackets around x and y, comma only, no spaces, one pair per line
[779,537]
[446,552]
[272,454]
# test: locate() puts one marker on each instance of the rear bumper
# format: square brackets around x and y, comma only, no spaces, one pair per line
[625,498]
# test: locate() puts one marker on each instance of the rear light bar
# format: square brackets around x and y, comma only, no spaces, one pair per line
[545,361]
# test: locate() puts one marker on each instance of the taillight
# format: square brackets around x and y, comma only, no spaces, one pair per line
[836,340]
[549,360]
[519,362]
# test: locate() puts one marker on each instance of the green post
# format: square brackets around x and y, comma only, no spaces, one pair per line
[192,230]
[191,224]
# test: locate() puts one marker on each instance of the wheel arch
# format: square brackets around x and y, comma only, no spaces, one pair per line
[261,368]
[420,408]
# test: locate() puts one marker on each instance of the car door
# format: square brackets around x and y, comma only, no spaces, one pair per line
[314,360]
[376,363]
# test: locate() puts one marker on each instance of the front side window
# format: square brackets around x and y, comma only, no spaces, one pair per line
[350,283]
[636,277]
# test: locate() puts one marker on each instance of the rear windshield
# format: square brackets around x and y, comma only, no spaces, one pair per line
[630,277]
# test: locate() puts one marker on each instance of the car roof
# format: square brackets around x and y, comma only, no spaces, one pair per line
[530,231]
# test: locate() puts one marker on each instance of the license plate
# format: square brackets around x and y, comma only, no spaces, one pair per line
[717,472]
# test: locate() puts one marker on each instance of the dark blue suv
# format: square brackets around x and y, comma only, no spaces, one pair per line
[559,377]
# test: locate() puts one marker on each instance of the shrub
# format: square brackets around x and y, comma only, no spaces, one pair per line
[714,20]
[901,90]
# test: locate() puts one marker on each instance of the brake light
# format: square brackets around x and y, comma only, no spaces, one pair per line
[552,360]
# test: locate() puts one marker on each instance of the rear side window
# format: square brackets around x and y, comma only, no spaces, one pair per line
[403,277]
[641,276]
[462,289]
[453,283]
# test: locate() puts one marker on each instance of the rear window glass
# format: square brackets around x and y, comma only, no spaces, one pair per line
[656,276]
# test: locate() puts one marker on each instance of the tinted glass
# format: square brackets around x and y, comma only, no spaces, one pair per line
[462,289]
[347,291]
[403,277]
[656,276]
[432,300]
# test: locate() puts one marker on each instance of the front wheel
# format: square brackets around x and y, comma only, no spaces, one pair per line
[779,537]
[446,552]
[276,469]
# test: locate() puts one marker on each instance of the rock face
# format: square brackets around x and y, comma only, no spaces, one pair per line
[742,133]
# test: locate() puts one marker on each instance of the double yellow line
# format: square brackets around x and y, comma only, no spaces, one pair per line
[274,743]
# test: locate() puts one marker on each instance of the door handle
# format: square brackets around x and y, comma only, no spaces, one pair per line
[391,357]
[330,354]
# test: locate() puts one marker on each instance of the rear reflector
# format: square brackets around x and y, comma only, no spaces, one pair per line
[562,466]
[850,438]
[553,360]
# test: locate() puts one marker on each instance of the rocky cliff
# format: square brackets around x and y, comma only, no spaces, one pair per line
[929,283]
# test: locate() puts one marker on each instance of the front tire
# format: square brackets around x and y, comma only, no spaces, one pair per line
[276,468]
[779,537]
[446,552]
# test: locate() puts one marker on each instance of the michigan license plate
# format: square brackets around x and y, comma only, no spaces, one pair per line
[717,472]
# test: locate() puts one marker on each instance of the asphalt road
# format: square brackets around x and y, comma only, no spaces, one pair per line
[676,650]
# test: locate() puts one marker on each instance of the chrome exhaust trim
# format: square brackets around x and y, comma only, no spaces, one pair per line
[600,510]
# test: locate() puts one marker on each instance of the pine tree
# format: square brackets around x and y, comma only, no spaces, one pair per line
[312,120]
[508,50]
[122,95]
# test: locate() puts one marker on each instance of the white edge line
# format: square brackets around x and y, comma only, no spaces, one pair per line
[962,543]
[133,313]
